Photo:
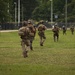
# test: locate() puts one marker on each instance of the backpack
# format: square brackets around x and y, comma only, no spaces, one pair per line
[41,27]
[23,31]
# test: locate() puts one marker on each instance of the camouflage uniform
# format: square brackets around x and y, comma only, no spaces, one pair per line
[64,30]
[24,34]
[72,29]
[41,33]
[56,33]
[32,33]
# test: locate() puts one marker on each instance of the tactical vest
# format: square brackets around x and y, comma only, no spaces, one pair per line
[24,32]
[41,27]
[32,30]
[56,30]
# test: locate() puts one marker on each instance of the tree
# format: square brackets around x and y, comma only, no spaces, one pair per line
[36,9]
[42,11]
[29,6]
[5,7]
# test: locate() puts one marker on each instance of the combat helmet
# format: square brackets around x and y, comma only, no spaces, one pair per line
[29,22]
[25,23]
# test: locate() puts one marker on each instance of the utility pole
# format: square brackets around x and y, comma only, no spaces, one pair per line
[22,13]
[15,13]
[8,13]
[18,12]
[66,13]
[51,12]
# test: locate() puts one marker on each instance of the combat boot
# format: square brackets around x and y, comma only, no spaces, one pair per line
[25,54]
[41,44]
[31,48]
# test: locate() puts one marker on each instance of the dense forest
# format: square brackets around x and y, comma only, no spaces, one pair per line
[37,10]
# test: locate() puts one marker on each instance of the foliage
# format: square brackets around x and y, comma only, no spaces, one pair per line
[41,12]
[58,9]
[36,9]
[29,6]
[5,7]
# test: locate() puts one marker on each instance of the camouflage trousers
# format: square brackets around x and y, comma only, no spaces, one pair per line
[56,37]
[31,42]
[42,37]
[72,31]
[25,43]
[64,32]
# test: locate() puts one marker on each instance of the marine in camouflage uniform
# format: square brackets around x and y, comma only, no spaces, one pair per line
[72,29]
[32,33]
[55,33]
[24,34]
[41,33]
[64,30]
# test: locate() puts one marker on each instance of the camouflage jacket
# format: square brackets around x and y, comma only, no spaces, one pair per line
[24,32]
[32,30]
[55,30]
[41,28]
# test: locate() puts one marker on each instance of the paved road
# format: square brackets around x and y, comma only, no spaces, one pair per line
[17,30]
[12,30]
[8,30]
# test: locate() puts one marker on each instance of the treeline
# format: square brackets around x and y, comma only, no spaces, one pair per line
[37,10]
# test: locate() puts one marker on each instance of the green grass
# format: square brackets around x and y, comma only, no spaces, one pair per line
[54,58]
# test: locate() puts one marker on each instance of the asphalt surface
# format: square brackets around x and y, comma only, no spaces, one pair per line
[8,30]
